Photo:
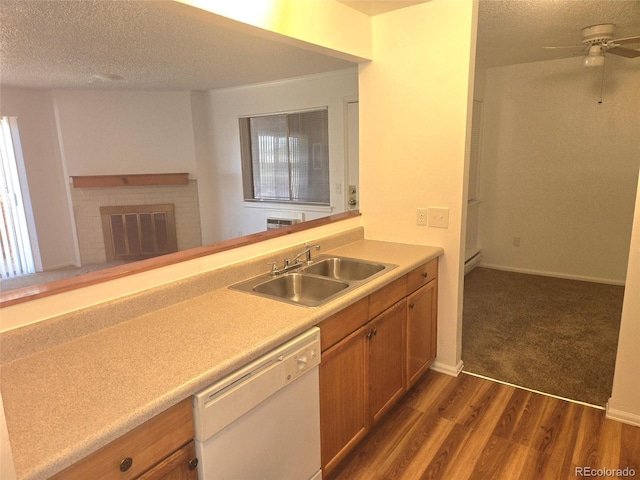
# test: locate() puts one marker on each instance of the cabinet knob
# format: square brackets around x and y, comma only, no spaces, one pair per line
[425,274]
[125,464]
[193,464]
[411,305]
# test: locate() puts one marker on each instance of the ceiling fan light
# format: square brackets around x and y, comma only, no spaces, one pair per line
[593,61]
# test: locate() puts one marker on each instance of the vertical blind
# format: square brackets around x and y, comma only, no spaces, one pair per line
[17,257]
[288,157]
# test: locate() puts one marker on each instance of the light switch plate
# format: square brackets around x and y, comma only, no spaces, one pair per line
[438,217]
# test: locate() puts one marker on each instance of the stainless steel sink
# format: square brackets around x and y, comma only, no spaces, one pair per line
[299,288]
[312,285]
[344,268]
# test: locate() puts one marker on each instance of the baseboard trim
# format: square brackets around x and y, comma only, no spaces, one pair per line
[544,273]
[447,369]
[622,416]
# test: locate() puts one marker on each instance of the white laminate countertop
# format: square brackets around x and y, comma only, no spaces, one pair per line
[63,403]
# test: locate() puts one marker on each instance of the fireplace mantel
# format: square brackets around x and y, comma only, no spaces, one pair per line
[129,180]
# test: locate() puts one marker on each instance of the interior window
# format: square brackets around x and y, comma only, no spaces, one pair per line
[285,157]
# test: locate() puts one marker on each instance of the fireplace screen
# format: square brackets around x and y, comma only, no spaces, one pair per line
[135,232]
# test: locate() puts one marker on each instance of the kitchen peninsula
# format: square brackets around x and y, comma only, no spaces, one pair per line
[86,391]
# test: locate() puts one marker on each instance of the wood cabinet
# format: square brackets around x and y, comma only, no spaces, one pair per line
[386,376]
[421,331]
[422,320]
[161,448]
[180,465]
[343,397]
[372,352]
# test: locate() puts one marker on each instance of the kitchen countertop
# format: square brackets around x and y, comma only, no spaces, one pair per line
[65,402]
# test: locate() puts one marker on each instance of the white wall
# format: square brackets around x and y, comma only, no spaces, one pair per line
[36,123]
[414,100]
[560,170]
[327,27]
[116,132]
[224,185]
[624,404]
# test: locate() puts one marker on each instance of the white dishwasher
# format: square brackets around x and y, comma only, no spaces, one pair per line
[263,421]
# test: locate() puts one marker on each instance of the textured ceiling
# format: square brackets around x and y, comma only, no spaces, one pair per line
[55,44]
[514,31]
[80,44]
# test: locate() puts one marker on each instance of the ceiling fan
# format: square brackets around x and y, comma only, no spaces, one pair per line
[598,39]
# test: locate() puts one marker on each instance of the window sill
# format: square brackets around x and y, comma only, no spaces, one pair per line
[289,207]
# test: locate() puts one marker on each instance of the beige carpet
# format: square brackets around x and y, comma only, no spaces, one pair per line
[554,335]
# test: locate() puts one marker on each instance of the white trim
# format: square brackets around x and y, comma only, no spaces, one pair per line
[67,185]
[622,416]
[321,108]
[599,407]
[440,367]
[288,207]
[346,179]
[608,281]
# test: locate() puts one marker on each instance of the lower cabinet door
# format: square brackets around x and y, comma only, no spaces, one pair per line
[421,331]
[342,398]
[386,337]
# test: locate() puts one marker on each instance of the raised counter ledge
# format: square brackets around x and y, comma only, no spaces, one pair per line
[63,403]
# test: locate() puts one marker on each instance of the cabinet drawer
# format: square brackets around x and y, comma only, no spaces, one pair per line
[382,299]
[422,275]
[177,466]
[145,445]
[341,324]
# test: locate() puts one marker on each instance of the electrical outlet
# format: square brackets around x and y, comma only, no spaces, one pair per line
[421,218]
[516,241]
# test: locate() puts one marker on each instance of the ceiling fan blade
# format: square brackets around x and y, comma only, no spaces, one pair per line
[624,52]
[567,46]
[625,41]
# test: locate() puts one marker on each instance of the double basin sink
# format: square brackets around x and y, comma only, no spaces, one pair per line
[325,279]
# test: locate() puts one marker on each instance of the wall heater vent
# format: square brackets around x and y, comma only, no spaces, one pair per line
[473,262]
[280,222]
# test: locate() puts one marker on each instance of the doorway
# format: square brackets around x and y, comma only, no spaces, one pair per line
[557,187]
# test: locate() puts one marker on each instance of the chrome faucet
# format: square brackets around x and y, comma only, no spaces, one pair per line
[307,253]
[295,263]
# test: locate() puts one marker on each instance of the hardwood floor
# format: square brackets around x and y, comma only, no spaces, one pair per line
[472,428]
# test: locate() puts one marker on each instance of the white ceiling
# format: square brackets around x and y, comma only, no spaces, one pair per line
[57,44]
[514,31]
